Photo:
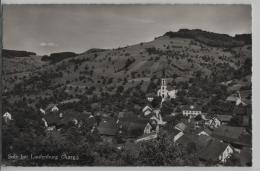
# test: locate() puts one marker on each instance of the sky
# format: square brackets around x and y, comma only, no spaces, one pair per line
[46,29]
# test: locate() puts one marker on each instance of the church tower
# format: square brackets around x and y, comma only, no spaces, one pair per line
[164,88]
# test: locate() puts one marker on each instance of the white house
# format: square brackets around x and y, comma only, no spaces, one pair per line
[150,97]
[7,117]
[226,154]
[165,92]
[45,123]
[216,151]
[191,111]
[147,129]
[236,98]
[42,111]
[213,122]
[54,109]
[147,110]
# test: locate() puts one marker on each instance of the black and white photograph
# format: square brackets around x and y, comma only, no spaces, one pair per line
[127,85]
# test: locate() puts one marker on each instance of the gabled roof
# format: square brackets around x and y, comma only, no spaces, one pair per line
[147,107]
[213,150]
[180,126]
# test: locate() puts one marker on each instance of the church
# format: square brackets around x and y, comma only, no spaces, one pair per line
[166,92]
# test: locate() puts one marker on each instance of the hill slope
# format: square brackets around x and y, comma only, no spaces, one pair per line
[178,55]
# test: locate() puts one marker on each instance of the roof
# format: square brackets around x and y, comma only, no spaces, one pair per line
[213,150]
[147,107]
[237,135]
[70,101]
[202,141]
[50,106]
[224,118]
[228,131]
[191,107]
[232,98]
[180,126]
[107,127]
[186,139]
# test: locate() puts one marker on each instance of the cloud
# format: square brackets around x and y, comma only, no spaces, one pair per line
[48,44]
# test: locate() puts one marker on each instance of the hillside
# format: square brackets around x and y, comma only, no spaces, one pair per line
[178,55]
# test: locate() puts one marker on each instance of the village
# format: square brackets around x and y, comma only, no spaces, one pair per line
[212,135]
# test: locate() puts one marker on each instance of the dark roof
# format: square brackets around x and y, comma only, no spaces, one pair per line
[107,127]
[224,118]
[237,135]
[186,139]
[212,151]
[202,141]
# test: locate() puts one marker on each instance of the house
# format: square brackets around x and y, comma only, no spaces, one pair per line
[166,92]
[156,115]
[224,119]
[237,136]
[7,117]
[191,111]
[202,141]
[180,126]
[147,137]
[237,99]
[216,151]
[213,122]
[52,108]
[42,111]
[186,139]
[206,132]
[150,97]
[147,110]
[148,128]
[45,123]
[176,134]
